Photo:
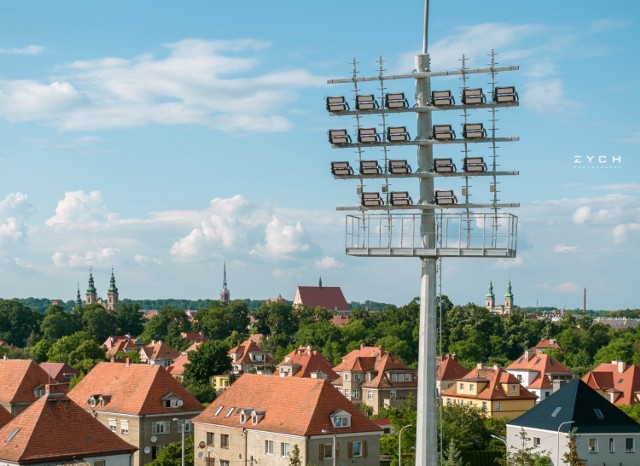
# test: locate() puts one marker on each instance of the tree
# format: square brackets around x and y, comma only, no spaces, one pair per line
[211,358]
[525,455]
[466,425]
[453,456]
[39,351]
[17,322]
[79,350]
[294,456]
[57,324]
[167,325]
[130,319]
[99,322]
[171,455]
[572,458]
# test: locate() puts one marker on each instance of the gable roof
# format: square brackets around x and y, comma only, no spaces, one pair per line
[19,378]
[494,377]
[448,368]
[5,416]
[159,350]
[54,428]
[291,405]
[177,367]
[618,378]
[577,402]
[308,361]
[545,344]
[329,297]
[57,370]
[243,352]
[132,389]
[368,358]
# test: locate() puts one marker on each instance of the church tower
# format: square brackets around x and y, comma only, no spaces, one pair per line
[508,299]
[490,298]
[112,294]
[224,294]
[78,298]
[92,295]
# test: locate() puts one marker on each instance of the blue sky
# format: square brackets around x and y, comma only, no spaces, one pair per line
[163,138]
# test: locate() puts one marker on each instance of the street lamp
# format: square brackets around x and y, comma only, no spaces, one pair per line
[181,423]
[333,447]
[400,444]
[558,446]
[501,439]
[209,453]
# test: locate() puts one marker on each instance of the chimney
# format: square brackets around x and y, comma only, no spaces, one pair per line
[528,354]
[127,362]
[454,356]
[54,389]
[622,366]
[113,359]
[497,366]
[479,366]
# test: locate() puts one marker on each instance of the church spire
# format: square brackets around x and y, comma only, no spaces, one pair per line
[508,299]
[320,282]
[224,294]
[92,295]
[78,298]
[112,293]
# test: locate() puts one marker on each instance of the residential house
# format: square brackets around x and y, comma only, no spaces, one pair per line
[604,434]
[491,389]
[618,382]
[139,402]
[260,420]
[329,297]
[375,377]
[177,367]
[448,370]
[546,344]
[22,383]
[119,345]
[195,337]
[158,353]
[60,372]
[539,373]
[306,362]
[56,431]
[248,356]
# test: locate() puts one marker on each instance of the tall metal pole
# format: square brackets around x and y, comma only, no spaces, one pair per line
[400,444]
[558,445]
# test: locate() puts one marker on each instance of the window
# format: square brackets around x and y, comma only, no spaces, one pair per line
[327,450]
[224,440]
[461,386]
[224,463]
[593,445]
[229,412]
[355,394]
[38,392]
[124,427]
[341,421]
[160,427]
[498,405]
[393,394]
[513,388]
[285,449]
[629,445]
[210,438]
[369,394]
[536,441]
[346,377]
[484,405]
[187,426]
[173,403]
[155,450]
[612,445]
[112,425]
[268,447]
[356,377]
[99,463]
[408,378]
[519,377]
[347,393]
[218,410]
[356,449]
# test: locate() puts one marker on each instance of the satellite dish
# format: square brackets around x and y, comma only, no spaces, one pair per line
[153,439]
[200,455]
[147,450]
[180,403]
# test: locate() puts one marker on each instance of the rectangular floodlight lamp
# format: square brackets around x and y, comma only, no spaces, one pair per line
[400,198]
[444,166]
[445,197]
[366,102]
[397,133]
[396,100]
[474,164]
[341,169]
[368,135]
[399,167]
[442,98]
[369,167]
[371,200]
[339,136]
[473,131]
[505,95]
[473,96]
[443,132]
[337,104]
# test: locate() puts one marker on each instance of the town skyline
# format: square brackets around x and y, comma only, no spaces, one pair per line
[203,141]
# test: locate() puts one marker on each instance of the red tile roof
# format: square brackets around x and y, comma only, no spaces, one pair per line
[550,343]
[307,361]
[58,370]
[329,297]
[19,378]
[495,378]
[132,389]
[546,368]
[177,368]
[55,429]
[292,405]
[617,378]
[449,368]
[195,337]
[5,416]
[159,350]
[243,350]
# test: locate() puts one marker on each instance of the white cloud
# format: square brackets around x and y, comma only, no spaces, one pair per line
[104,257]
[548,95]
[15,208]
[563,288]
[509,263]
[143,260]
[28,50]
[622,232]
[581,215]
[608,24]
[219,84]
[563,248]
[79,210]
[328,262]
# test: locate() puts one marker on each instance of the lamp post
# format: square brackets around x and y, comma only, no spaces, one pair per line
[400,443]
[181,423]
[333,447]
[558,445]
[506,447]
[209,453]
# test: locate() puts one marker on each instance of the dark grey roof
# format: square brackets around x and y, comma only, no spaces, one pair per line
[577,402]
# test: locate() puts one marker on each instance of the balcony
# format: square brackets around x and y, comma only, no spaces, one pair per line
[462,234]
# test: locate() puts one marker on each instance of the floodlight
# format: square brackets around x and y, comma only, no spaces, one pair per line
[341,169]
[366,102]
[503,95]
[337,104]
[445,197]
[368,135]
[443,132]
[399,167]
[473,131]
[444,166]
[442,98]
[339,136]
[474,164]
[397,133]
[369,167]
[400,198]
[371,199]
[473,96]
[396,100]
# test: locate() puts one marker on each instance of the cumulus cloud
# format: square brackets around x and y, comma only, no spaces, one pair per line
[15,208]
[548,95]
[328,262]
[79,209]
[564,287]
[219,84]
[509,263]
[28,50]
[101,257]
[623,232]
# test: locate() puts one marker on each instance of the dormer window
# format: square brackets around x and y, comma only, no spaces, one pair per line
[171,400]
[38,391]
[341,419]
[257,415]
[93,400]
